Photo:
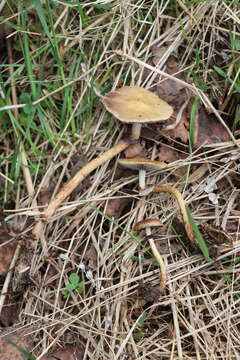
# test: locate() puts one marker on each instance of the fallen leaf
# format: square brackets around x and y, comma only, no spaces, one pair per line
[7,250]
[135,150]
[21,276]
[90,258]
[175,93]
[209,130]
[170,90]
[9,313]
[180,131]
[18,337]
[44,196]
[150,133]
[147,292]
[51,277]
[116,206]
[197,175]
[67,353]
[169,155]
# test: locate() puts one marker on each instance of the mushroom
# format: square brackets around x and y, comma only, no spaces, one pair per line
[176,193]
[82,173]
[142,165]
[147,225]
[136,105]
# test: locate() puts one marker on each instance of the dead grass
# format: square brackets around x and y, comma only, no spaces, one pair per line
[198,316]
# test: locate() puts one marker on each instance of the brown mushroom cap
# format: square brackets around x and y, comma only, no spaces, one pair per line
[143,224]
[139,163]
[133,104]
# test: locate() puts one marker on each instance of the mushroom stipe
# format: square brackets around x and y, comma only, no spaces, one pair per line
[176,193]
[83,172]
[146,225]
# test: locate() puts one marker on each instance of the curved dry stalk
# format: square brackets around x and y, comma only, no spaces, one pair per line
[163,279]
[178,196]
[82,173]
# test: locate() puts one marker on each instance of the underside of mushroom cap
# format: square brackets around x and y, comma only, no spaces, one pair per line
[133,104]
[140,163]
[143,224]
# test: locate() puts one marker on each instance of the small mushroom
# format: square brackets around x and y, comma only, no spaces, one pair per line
[147,225]
[136,106]
[142,165]
[178,196]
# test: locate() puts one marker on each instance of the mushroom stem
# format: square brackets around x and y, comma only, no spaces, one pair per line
[176,193]
[159,258]
[142,177]
[82,173]
[136,131]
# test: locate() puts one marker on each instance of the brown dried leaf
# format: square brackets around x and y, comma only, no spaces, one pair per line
[116,206]
[209,130]
[180,131]
[169,155]
[9,313]
[44,196]
[135,150]
[147,292]
[163,248]
[150,133]
[175,93]
[158,53]
[169,90]
[8,351]
[6,251]
[91,257]
[67,353]
[21,278]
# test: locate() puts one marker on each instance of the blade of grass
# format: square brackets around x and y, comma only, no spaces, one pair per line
[23,351]
[192,124]
[201,242]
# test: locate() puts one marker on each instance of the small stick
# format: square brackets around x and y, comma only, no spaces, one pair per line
[176,193]
[82,173]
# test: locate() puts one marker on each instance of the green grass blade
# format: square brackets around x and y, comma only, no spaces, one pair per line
[192,123]
[201,242]
[41,15]
[23,351]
